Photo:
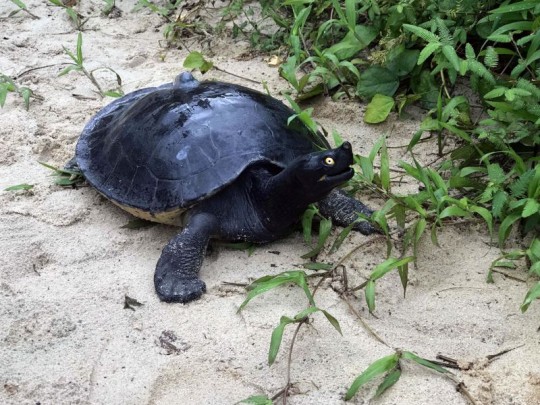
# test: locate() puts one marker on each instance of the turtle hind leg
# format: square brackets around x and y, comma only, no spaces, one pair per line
[177,272]
[343,210]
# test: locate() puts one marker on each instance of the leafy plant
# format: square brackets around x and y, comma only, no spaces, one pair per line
[78,20]
[22,7]
[7,85]
[78,66]
[65,177]
[196,60]
[19,187]
[391,367]
[110,5]
[178,25]
[248,21]
[421,51]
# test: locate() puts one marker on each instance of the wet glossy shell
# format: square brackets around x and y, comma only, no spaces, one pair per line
[161,150]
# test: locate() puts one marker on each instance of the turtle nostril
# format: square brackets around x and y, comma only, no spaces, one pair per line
[346,145]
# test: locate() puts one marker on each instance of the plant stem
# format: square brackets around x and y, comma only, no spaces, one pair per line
[93,80]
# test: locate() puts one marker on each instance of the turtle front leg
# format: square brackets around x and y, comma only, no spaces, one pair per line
[177,272]
[343,210]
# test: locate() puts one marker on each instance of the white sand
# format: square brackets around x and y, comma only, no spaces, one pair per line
[66,264]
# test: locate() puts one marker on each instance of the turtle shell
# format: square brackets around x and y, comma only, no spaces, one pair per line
[166,148]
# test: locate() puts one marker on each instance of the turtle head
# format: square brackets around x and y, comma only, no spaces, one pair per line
[317,173]
[307,179]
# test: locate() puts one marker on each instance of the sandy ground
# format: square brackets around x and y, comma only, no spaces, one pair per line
[66,264]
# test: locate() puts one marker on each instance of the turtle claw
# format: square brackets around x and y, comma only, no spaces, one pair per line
[172,288]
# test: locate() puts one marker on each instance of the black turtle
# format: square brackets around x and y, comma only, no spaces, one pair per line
[218,159]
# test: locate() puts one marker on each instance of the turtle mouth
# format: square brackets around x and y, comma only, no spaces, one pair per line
[340,177]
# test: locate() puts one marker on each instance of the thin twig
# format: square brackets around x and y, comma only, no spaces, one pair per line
[495,356]
[462,388]
[289,362]
[509,275]
[39,67]
[447,365]
[235,75]
[366,326]
[368,242]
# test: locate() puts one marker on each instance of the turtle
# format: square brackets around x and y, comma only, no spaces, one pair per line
[219,160]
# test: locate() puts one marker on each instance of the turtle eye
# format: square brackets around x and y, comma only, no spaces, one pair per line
[329,161]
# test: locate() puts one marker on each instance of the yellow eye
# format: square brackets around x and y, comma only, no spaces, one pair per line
[329,161]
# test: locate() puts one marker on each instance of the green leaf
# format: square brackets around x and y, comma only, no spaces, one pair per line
[506,226]
[369,292]
[307,223]
[426,86]
[519,6]
[325,227]
[453,211]
[113,93]
[376,148]
[256,400]
[367,168]
[535,269]
[469,52]
[79,59]
[18,187]
[376,368]
[418,232]
[485,214]
[341,237]
[451,55]
[452,106]
[404,276]
[426,35]
[333,321]
[277,336]
[496,173]
[25,93]
[196,60]
[388,265]
[3,93]
[496,92]
[339,11]
[350,13]
[69,69]
[353,42]
[428,51]
[377,80]
[300,20]
[534,250]
[531,207]
[424,362]
[403,61]
[511,28]
[19,4]
[434,238]
[378,109]
[338,140]
[532,294]
[390,379]
[287,70]
[267,283]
